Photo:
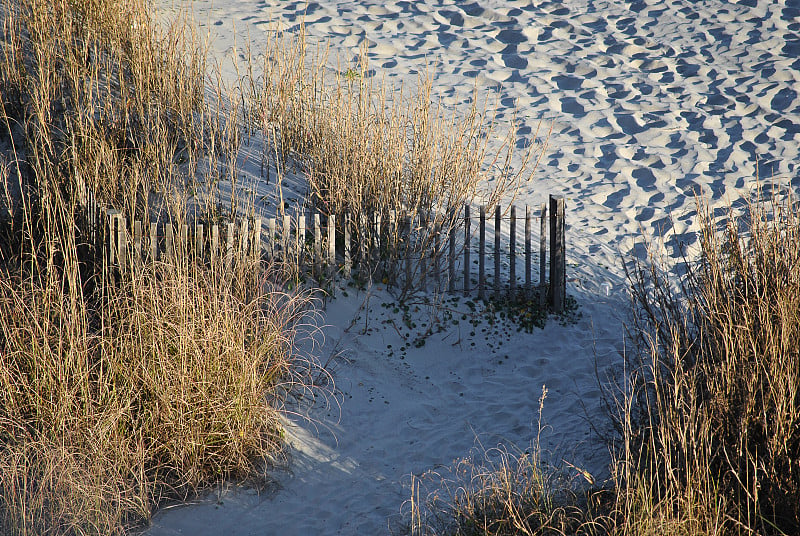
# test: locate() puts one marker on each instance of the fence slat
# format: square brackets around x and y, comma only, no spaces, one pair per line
[407,284]
[543,256]
[378,240]
[497,235]
[214,243]
[231,228]
[437,250]
[153,241]
[332,246]
[558,282]
[257,239]
[301,240]
[466,250]
[244,236]
[348,261]
[170,253]
[363,231]
[482,253]
[451,257]
[527,249]
[286,235]
[421,248]
[317,246]
[512,252]
[137,244]
[199,241]
[271,224]
[184,245]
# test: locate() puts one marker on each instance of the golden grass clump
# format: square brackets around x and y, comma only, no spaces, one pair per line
[507,492]
[712,433]
[119,393]
[155,392]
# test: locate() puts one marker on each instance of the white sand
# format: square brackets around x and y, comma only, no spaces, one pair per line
[649,101]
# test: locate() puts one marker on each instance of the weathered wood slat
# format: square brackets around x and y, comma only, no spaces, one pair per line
[497,235]
[137,244]
[317,246]
[214,244]
[348,261]
[332,245]
[558,282]
[482,252]
[466,250]
[512,252]
[528,252]
[231,228]
[153,241]
[301,241]
[257,239]
[543,257]
[451,257]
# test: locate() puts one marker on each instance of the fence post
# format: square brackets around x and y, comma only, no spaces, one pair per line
[558,282]
[114,226]
[512,253]
[214,245]
[497,234]
[244,238]
[466,249]
[199,241]
[257,240]
[286,234]
[229,246]
[317,246]
[153,241]
[332,247]
[543,257]
[348,261]
[392,243]
[377,242]
[271,225]
[407,238]
[137,244]
[184,245]
[301,239]
[170,252]
[451,258]
[527,250]
[482,252]
[437,246]
[364,230]
[421,239]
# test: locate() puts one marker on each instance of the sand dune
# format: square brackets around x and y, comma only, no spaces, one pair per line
[650,102]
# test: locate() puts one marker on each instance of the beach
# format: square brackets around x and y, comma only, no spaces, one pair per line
[650,103]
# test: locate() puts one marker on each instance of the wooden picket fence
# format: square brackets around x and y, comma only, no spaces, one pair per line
[327,248]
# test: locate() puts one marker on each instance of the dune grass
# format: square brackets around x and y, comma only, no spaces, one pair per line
[503,492]
[369,149]
[115,398]
[708,414]
[714,433]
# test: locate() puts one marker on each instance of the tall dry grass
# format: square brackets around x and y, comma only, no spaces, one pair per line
[505,492]
[118,396]
[712,429]
[373,150]
[154,392]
